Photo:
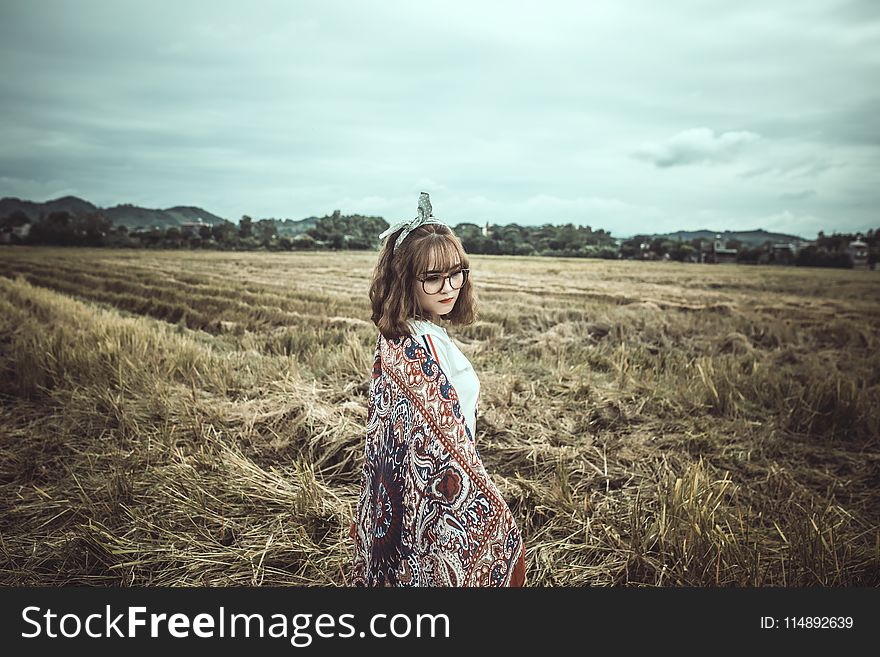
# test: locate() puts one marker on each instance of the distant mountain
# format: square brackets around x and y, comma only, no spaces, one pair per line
[133,216]
[71,204]
[290,227]
[753,237]
[124,214]
[190,213]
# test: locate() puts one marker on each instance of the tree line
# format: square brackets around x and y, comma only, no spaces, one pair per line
[824,251]
[336,232]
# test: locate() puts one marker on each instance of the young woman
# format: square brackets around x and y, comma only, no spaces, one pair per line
[428,513]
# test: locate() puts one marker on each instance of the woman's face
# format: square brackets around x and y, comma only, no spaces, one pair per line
[436,305]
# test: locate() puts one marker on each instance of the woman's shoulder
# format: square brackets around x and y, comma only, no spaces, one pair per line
[420,327]
[434,338]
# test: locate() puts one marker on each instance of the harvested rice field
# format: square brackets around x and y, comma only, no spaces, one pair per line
[175,418]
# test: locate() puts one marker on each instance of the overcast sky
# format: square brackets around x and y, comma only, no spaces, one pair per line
[628,115]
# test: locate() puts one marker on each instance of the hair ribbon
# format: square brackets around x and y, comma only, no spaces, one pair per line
[423,217]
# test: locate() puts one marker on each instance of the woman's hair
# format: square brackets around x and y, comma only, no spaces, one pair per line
[393,288]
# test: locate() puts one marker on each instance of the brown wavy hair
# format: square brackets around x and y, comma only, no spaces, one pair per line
[392,290]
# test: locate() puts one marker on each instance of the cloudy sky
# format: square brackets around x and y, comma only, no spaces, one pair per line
[629,115]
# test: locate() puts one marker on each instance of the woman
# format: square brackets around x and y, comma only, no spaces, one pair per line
[428,513]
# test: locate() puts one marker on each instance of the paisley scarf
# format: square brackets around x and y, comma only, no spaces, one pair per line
[428,514]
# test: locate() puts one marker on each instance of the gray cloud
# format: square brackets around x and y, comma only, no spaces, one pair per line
[696,146]
[797,196]
[853,122]
[809,167]
[627,116]
[860,11]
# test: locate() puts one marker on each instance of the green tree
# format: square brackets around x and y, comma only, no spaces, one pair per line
[225,233]
[304,242]
[56,228]
[245,227]
[681,251]
[14,220]
[92,228]
[265,231]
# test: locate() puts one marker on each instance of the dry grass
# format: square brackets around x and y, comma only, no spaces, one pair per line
[182,419]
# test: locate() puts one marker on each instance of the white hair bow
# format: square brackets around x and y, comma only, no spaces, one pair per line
[424,217]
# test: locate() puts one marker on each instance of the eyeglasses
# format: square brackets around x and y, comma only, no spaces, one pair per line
[434,283]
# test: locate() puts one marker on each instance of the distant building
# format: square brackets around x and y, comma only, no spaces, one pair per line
[485,230]
[858,251]
[716,252]
[784,253]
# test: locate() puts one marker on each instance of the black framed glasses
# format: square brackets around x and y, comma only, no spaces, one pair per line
[434,283]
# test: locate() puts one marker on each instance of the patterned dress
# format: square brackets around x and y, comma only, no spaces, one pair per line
[428,514]
[455,366]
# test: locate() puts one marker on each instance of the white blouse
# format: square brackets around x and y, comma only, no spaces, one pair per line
[455,366]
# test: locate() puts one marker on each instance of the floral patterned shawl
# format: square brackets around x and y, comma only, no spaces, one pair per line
[428,513]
